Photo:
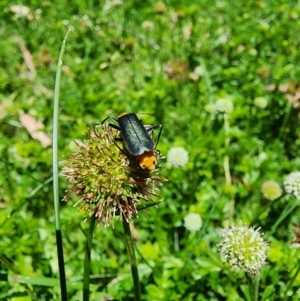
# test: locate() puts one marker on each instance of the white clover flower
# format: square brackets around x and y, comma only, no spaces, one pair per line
[271,190]
[243,248]
[224,105]
[199,70]
[253,52]
[148,25]
[193,222]
[178,156]
[262,156]
[111,3]
[65,22]
[261,102]
[292,184]
[20,10]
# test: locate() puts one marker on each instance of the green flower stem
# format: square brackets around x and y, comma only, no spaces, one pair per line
[254,282]
[132,259]
[87,260]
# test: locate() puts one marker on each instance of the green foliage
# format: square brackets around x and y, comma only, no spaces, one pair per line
[174,62]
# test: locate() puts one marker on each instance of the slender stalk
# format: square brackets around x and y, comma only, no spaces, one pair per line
[87,260]
[226,145]
[132,259]
[226,163]
[62,275]
[254,283]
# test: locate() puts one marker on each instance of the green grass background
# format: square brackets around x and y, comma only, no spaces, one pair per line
[175,63]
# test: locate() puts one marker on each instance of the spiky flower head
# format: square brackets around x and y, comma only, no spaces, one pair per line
[243,248]
[193,222]
[178,156]
[107,179]
[224,105]
[292,184]
[271,190]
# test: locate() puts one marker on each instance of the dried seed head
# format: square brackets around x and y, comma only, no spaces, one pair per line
[108,180]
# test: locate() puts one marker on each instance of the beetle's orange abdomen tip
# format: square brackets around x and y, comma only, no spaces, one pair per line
[147,160]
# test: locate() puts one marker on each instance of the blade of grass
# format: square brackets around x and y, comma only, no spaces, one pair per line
[286,212]
[50,282]
[62,274]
